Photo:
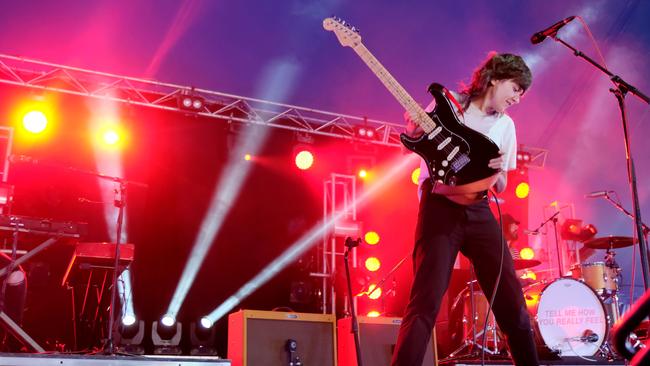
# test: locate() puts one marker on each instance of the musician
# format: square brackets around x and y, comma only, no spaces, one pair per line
[446,227]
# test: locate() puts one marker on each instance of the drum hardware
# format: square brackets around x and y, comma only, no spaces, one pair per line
[569,318]
[609,242]
[525,263]
[472,328]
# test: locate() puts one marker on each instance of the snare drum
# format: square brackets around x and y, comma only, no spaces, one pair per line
[568,317]
[599,276]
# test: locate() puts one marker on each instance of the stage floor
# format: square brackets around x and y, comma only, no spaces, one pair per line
[20,359]
[567,361]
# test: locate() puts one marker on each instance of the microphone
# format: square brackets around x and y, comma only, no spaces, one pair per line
[531,232]
[15,159]
[550,31]
[589,336]
[597,194]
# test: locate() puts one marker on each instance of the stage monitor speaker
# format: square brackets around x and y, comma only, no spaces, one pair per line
[263,338]
[377,337]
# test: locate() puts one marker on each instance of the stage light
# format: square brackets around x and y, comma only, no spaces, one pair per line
[202,339]
[304,159]
[371,237]
[168,320]
[365,133]
[166,339]
[111,137]
[528,274]
[522,190]
[128,338]
[128,320]
[526,253]
[415,176]
[188,100]
[206,322]
[572,229]
[531,299]
[372,264]
[373,314]
[35,121]
[248,157]
[363,173]
[372,293]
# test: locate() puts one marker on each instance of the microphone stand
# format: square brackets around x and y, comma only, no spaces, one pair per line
[557,242]
[621,89]
[646,229]
[120,203]
[349,244]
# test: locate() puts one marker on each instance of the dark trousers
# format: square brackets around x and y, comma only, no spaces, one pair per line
[443,229]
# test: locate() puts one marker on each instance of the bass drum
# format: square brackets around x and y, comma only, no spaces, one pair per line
[569,318]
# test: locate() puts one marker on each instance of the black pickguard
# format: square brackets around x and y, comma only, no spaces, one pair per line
[470,162]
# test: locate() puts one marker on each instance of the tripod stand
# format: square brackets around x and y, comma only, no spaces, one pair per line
[471,346]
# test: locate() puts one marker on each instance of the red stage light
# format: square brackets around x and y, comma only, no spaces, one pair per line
[371,237]
[522,190]
[373,264]
[35,121]
[304,160]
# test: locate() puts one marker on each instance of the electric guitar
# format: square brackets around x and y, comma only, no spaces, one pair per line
[456,156]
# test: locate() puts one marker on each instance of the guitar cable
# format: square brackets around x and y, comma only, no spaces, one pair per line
[496,284]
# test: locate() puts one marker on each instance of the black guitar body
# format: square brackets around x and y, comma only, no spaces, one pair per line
[454,153]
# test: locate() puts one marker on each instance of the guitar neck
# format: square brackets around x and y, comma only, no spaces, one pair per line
[411,106]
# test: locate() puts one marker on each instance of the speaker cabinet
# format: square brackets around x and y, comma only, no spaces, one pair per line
[260,338]
[377,337]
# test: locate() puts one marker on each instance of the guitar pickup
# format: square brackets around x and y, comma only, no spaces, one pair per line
[444,143]
[460,162]
[434,133]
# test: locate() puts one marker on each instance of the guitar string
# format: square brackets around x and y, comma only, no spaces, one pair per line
[405,99]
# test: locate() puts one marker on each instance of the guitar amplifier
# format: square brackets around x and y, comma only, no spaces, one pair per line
[377,337]
[261,337]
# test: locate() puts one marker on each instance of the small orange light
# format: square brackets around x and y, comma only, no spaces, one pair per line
[248,157]
[363,173]
[373,314]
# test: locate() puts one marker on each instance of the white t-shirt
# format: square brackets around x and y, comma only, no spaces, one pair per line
[500,128]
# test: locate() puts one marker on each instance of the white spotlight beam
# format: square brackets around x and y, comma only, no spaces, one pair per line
[304,243]
[278,81]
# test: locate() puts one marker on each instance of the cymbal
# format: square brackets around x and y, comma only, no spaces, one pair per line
[609,242]
[525,263]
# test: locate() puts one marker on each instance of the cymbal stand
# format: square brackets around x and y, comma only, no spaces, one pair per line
[557,241]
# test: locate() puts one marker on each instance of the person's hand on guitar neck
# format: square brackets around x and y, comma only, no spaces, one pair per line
[412,127]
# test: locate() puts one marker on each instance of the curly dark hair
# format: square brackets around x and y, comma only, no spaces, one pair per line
[497,66]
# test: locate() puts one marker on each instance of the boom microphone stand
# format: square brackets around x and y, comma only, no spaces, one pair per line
[621,89]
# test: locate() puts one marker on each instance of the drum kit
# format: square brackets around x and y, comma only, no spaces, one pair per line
[571,315]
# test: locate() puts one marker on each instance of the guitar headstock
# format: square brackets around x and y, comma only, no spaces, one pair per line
[348,35]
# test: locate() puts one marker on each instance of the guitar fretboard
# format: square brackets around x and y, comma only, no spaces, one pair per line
[411,106]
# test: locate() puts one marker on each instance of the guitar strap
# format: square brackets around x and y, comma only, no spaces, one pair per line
[453,100]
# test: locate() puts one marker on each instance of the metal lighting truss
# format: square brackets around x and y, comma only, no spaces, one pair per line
[226,107]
